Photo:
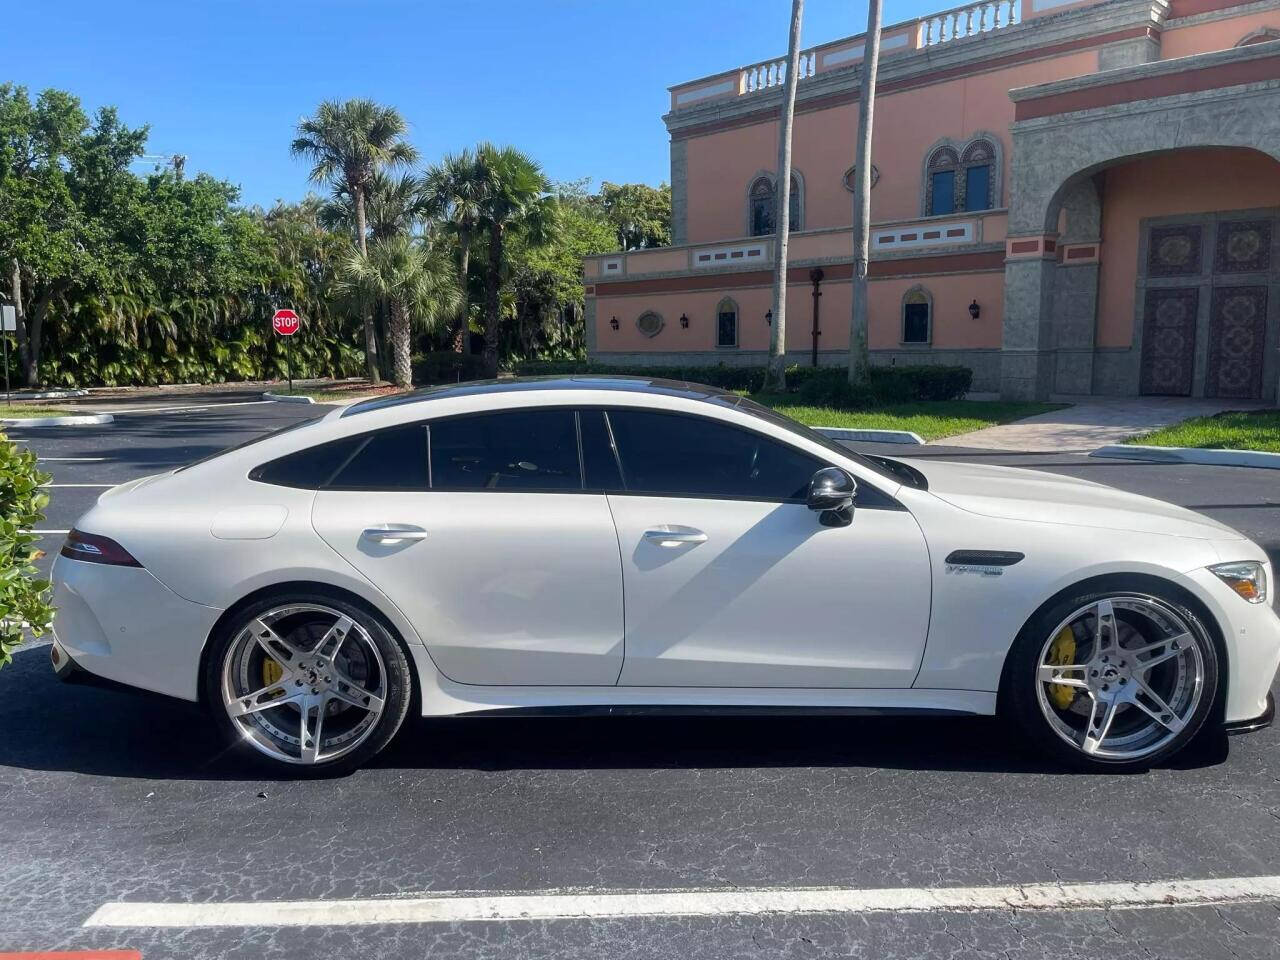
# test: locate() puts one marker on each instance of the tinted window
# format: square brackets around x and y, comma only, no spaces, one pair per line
[389,460]
[915,323]
[691,456]
[977,188]
[944,192]
[518,450]
[310,468]
[599,462]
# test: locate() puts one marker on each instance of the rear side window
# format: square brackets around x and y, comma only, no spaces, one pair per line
[688,456]
[389,460]
[309,469]
[512,450]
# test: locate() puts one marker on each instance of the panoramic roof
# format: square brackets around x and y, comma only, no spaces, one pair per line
[621,384]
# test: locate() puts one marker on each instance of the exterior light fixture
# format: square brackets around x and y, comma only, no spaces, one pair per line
[614,323]
[684,321]
[975,311]
[768,317]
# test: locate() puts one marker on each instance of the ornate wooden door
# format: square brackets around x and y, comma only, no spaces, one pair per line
[1169,340]
[1237,338]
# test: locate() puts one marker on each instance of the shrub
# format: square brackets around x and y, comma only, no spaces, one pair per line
[897,384]
[23,598]
[445,366]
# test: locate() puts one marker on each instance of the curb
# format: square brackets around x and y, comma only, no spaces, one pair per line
[82,420]
[285,398]
[1220,458]
[50,394]
[870,436]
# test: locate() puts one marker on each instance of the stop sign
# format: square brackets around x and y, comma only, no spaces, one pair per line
[285,322]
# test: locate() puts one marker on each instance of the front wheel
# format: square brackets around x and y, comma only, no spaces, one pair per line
[1113,678]
[311,683]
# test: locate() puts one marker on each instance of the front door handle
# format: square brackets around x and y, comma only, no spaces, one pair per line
[674,536]
[394,533]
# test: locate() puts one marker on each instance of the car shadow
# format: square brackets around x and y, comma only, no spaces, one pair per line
[52,726]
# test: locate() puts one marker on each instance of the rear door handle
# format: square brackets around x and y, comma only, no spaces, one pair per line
[394,533]
[672,536]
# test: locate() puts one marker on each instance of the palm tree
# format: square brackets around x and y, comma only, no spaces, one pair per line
[515,199]
[454,192]
[415,278]
[348,143]
[859,358]
[394,204]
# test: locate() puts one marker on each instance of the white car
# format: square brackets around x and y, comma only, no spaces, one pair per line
[616,544]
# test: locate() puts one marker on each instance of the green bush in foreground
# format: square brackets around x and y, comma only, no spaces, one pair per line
[24,599]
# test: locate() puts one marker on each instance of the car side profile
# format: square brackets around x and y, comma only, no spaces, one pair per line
[580,544]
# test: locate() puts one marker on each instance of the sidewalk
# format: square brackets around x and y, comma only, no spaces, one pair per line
[1092,422]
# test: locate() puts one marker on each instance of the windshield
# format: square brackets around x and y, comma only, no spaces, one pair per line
[799,429]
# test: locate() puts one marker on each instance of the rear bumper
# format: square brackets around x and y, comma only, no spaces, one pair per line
[1260,722]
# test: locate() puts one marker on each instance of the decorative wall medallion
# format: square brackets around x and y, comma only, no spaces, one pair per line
[852,171]
[649,323]
[1169,341]
[1243,246]
[1174,251]
[1237,336]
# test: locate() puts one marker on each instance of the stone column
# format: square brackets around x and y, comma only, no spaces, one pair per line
[1075,288]
[1026,360]
[679,192]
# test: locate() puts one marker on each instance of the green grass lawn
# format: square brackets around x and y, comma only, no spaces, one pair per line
[1236,430]
[22,411]
[930,419]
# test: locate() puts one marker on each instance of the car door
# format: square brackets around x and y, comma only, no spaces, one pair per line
[479,530]
[730,580]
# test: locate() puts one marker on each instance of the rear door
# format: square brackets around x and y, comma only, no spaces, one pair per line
[479,530]
[731,581]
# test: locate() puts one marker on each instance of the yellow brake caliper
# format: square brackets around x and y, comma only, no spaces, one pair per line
[271,672]
[1062,652]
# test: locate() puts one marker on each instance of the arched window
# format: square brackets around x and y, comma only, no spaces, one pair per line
[649,323]
[727,323]
[917,316]
[761,201]
[1265,35]
[961,178]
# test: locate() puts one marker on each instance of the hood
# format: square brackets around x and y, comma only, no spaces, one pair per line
[1015,494]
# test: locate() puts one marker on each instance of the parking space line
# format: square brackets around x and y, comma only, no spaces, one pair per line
[202,406]
[688,903]
[73,459]
[48,531]
[96,486]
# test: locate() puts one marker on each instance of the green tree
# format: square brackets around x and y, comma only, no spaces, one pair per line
[516,202]
[24,599]
[348,143]
[454,190]
[640,214]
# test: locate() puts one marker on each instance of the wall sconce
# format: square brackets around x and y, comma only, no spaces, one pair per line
[684,321]
[975,311]
[614,323]
[768,317]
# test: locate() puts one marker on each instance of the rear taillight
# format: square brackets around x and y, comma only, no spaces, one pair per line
[95,549]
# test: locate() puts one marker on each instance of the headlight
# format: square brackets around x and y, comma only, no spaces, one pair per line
[1246,577]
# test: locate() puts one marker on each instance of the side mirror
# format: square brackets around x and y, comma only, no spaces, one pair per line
[831,492]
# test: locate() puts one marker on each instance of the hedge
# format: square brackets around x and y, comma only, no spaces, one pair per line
[818,385]
[24,599]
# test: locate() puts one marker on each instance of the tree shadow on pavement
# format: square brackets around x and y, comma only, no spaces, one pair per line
[51,726]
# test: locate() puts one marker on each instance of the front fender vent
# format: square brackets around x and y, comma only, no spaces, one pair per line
[984,558]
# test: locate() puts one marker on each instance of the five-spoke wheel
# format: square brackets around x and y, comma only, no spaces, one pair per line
[310,681]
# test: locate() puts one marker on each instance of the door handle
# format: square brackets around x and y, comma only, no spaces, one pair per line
[394,533]
[675,537]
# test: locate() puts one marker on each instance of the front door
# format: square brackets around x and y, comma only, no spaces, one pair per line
[1169,340]
[479,530]
[730,581]
[1237,342]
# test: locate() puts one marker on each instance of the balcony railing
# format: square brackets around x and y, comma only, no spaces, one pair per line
[958,23]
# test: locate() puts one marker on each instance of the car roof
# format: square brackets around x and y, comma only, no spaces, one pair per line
[642,385]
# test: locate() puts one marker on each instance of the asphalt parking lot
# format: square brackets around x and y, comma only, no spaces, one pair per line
[111,797]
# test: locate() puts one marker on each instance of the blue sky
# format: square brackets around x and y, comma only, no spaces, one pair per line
[579,84]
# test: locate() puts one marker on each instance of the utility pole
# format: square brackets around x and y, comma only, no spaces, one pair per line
[775,378]
[858,356]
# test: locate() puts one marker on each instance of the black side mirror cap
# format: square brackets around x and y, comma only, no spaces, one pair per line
[831,492]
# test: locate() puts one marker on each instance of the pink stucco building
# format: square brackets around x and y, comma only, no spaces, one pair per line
[1070,196]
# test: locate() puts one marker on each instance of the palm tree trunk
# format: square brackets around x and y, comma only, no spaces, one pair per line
[398,324]
[370,339]
[492,303]
[776,373]
[24,351]
[460,334]
[859,358]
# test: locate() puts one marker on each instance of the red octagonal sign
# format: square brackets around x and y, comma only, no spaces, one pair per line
[285,322]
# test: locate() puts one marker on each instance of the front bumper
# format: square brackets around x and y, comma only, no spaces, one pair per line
[1261,722]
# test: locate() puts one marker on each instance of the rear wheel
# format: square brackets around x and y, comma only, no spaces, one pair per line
[310,683]
[1113,678]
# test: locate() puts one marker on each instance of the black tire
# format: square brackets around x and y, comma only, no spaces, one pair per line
[394,669]
[1023,706]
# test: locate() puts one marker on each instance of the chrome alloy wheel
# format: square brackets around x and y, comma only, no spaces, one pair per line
[304,683]
[1121,677]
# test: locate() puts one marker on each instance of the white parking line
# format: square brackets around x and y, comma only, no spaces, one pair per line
[687,903]
[48,531]
[73,459]
[203,406]
[97,486]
